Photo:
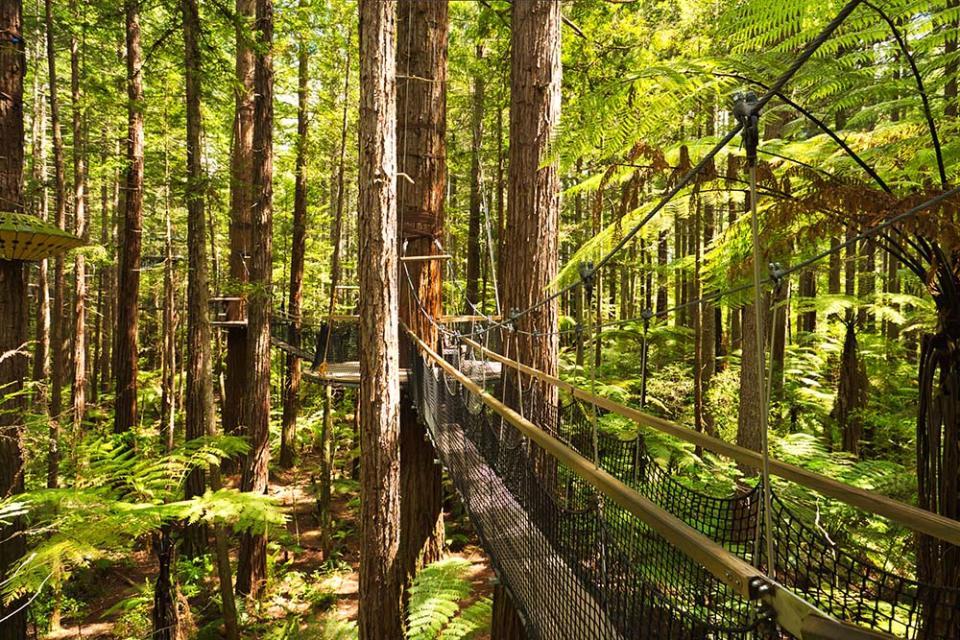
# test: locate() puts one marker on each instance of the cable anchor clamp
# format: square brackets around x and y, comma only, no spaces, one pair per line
[647,315]
[587,276]
[746,109]
[777,274]
[511,323]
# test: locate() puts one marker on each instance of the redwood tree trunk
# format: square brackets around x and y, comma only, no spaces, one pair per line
[13,302]
[291,398]
[252,564]
[80,228]
[529,259]
[59,279]
[241,201]
[199,400]
[128,292]
[422,27]
[380,613]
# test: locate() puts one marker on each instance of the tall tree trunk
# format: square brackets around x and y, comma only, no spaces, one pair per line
[199,400]
[252,565]
[291,399]
[529,260]
[833,281]
[752,389]
[662,258]
[808,291]
[39,208]
[241,201]
[851,394]
[867,283]
[422,27]
[13,311]
[168,398]
[380,612]
[476,196]
[128,292]
[59,277]
[81,230]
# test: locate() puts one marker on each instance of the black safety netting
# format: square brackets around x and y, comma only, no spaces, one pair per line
[842,582]
[576,564]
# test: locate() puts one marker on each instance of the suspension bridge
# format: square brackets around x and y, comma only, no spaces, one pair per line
[591,536]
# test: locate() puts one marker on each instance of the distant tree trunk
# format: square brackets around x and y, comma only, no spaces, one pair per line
[168,399]
[380,611]
[13,311]
[128,292]
[326,469]
[102,315]
[476,196]
[252,563]
[57,328]
[81,230]
[850,269]
[709,323]
[241,202]
[529,259]
[291,399]
[422,27]
[808,291]
[892,285]
[833,282]
[39,208]
[851,394]
[662,258]
[867,284]
[199,400]
[108,235]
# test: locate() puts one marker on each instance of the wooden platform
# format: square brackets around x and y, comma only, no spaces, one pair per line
[345,374]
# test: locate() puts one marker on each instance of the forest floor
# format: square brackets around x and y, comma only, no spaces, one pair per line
[308,592]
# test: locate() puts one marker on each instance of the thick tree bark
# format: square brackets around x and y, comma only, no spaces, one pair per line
[752,390]
[59,278]
[13,315]
[241,201]
[252,564]
[476,196]
[199,400]
[80,228]
[128,292]
[380,610]
[529,258]
[291,398]
[422,27]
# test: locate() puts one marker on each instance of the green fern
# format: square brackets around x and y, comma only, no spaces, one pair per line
[435,612]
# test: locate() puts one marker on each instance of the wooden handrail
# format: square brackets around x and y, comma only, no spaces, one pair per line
[794,614]
[914,518]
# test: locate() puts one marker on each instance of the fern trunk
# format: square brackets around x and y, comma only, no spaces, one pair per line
[938,453]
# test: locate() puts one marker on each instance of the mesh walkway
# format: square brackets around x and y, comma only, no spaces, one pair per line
[577,565]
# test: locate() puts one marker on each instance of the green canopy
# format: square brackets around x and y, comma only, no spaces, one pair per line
[26,237]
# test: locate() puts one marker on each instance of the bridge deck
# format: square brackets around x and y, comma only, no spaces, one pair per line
[522,552]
